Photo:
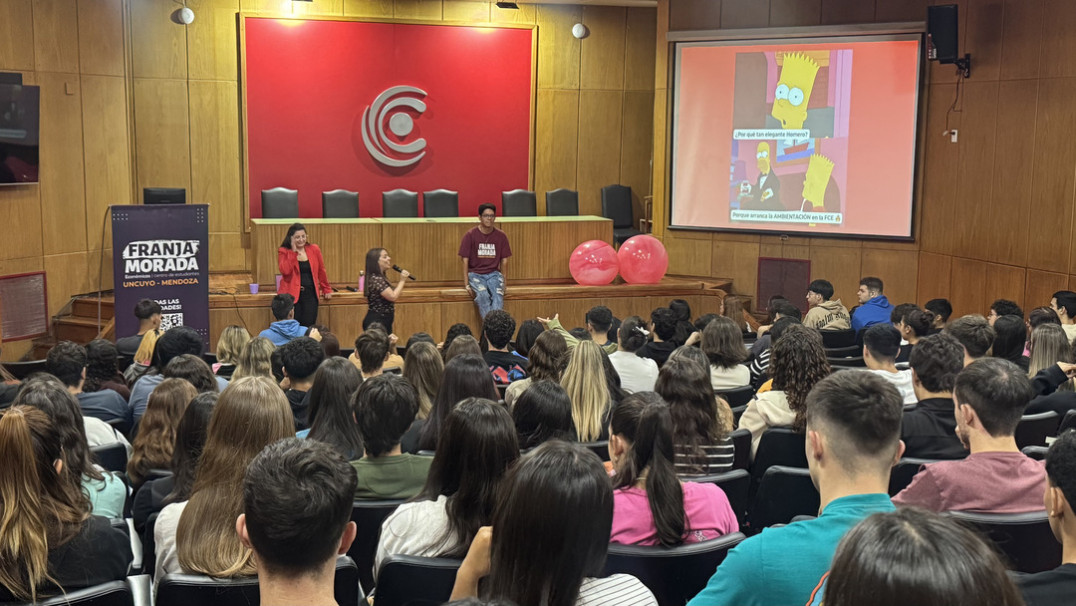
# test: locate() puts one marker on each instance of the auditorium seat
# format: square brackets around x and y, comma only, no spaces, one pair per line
[368,516]
[399,203]
[737,397]
[114,593]
[562,203]
[280,203]
[1024,538]
[21,370]
[783,494]
[414,581]
[844,352]
[1035,452]
[778,446]
[1067,422]
[673,574]
[112,457]
[340,204]
[519,203]
[1034,429]
[903,472]
[616,205]
[736,485]
[600,448]
[741,444]
[847,362]
[832,339]
[186,589]
[441,203]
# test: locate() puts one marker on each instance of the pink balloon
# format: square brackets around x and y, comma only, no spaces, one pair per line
[643,260]
[593,263]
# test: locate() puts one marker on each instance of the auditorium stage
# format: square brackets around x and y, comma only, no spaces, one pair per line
[433,308]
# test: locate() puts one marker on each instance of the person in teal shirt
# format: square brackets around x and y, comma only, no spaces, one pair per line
[853,440]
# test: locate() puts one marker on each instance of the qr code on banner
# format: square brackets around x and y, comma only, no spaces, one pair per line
[170,320]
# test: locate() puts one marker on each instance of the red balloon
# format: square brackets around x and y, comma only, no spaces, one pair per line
[593,263]
[643,260]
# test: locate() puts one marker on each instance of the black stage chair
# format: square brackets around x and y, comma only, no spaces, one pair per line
[1034,429]
[340,204]
[838,338]
[673,574]
[187,589]
[737,397]
[519,203]
[399,203]
[1025,538]
[903,472]
[413,581]
[616,205]
[783,494]
[441,203]
[562,203]
[368,516]
[280,203]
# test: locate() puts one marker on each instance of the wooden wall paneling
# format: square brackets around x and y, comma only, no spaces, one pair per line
[1005,241]
[599,146]
[1052,189]
[162,135]
[940,162]
[984,38]
[100,37]
[966,293]
[15,350]
[736,14]
[21,265]
[552,243]
[254,319]
[417,9]
[378,9]
[20,206]
[16,35]
[898,270]
[1021,39]
[771,246]
[313,8]
[737,261]
[1003,282]
[841,267]
[978,131]
[558,50]
[1039,287]
[346,247]
[428,249]
[639,49]
[212,40]
[215,161]
[63,193]
[556,148]
[847,11]
[467,313]
[526,13]
[158,45]
[56,36]
[1057,57]
[466,10]
[935,273]
[106,151]
[789,13]
[346,322]
[227,253]
[888,11]
[73,273]
[689,252]
[410,318]
[636,147]
[601,64]
[694,14]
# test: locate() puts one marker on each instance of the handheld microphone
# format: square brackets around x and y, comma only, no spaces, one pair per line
[397,268]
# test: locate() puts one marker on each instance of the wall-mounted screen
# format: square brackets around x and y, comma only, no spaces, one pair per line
[19,124]
[812,136]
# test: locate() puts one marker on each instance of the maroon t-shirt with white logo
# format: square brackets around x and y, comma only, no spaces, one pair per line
[484,251]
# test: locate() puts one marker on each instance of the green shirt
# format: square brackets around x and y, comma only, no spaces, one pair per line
[554,324]
[391,477]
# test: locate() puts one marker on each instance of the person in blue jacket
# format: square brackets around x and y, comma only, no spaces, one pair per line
[286,326]
[873,308]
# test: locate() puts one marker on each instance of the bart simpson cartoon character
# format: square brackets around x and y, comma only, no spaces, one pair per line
[819,169]
[794,90]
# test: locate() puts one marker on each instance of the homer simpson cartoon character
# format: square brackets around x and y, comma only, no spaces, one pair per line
[819,169]
[765,195]
[794,90]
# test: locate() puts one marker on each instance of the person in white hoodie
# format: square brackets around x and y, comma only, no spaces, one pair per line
[881,343]
[825,314]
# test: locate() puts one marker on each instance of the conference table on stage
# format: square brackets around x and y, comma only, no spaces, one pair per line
[429,247]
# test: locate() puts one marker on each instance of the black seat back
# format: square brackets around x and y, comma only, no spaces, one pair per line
[340,204]
[413,581]
[1067,422]
[562,203]
[616,205]
[115,593]
[1034,429]
[187,589]
[778,446]
[1035,452]
[783,494]
[441,203]
[112,457]
[847,362]
[903,472]
[21,370]
[737,397]
[741,444]
[1024,538]
[368,516]
[519,203]
[844,352]
[838,338]
[399,203]
[600,448]
[280,203]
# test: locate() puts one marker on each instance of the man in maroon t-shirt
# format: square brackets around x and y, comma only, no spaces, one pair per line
[485,252]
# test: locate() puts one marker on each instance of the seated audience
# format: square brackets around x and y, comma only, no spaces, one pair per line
[371,351]
[393,360]
[650,505]
[759,365]
[798,363]
[723,345]
[598,321]
[1041,315]
[780,307]
[550,535]
[286,327]
[684,327]
[461,345]
[154,495]
[590,397]
[702,321]
[1010,336]
[915,325]
[662,331]
[853,427]
[526,335]
[424,369]
[300,359]
[733,309]
[942,310]
[148,313]
[990,397]
[874,307]
[478,445]
[176,341]
[974,334]
[229,348]
[329,342]
[701,422]
[1003,307]
[897,317]
[331,420]
[50,545]
[912,556]
[636,373]
[1063,302]
[881,344]
[458,329]
[102,370]
[256,359]
[384,407]
[548,357]
[506,366]
[824,313]
[542,413]
[143,358]
[105,491]
[152,448]
[198,536]
[460,381]
[67,362]
[1056,587]
[929,430]
[296,519]
[612,378]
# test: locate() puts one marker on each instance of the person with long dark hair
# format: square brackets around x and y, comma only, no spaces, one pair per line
[542,413]
[550,535]
[380,295]
[331,420]
[302,272]
[701,422]
[650,505]
[548,357]
[461,380]
[636,373]
[477,446]
[1009,340]
[722,342]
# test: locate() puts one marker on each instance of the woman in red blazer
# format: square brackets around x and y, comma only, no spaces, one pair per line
[302,272]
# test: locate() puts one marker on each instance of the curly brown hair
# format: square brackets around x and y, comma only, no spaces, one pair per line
[797,362]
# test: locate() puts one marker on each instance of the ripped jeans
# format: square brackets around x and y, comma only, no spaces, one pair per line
[488,291]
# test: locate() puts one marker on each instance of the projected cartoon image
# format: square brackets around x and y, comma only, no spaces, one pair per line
[794,90]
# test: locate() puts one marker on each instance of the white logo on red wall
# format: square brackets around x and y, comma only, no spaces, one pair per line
[388,105]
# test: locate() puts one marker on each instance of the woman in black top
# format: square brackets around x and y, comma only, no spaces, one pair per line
[380,295]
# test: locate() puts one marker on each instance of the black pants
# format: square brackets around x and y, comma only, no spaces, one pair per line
[385,319]
[306,308]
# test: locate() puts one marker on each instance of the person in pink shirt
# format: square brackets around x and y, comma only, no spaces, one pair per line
[990,396]
[650,504]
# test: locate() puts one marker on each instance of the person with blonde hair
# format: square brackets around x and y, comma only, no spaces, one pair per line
[198,536]
[156,437]
[229,348]
[49,544]
[1048,346]
[424,368]
[143,357]
[256,359]
[583,379]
